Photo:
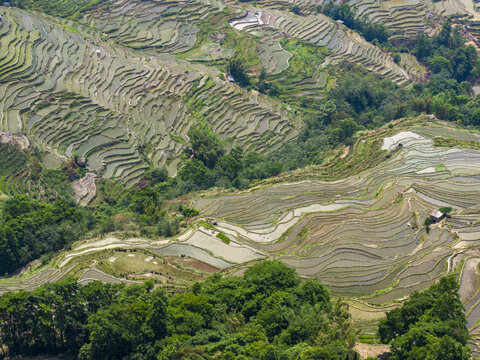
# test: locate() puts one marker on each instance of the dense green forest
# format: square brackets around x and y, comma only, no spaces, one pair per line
[430,325]
[267,314]
[32,229]
[29,229]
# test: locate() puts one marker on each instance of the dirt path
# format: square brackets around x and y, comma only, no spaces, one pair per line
[345,152]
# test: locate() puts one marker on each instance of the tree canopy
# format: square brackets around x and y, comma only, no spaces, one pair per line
[429,325]
[266,314]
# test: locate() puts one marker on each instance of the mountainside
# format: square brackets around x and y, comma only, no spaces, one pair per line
[174,148]
[73,94]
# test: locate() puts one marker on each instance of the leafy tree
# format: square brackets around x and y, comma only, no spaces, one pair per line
[288,319]
[205,146]
[345,129]
[157,175]
[8,250]
[115,331]
[444,35]
[157,317]
[270,275]
[295,9]
[445,210]
[438,64]
[236,68]
[423,46]
[196,173]
[228,166]
[144,201]
[314,292]
[428,222]
[430,321]
[189,313]
[30,228]
[273,315]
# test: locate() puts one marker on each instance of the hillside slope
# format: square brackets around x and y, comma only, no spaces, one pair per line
[76,95]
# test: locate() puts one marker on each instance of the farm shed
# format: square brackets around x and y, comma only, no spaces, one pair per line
[212,221]
[436,215]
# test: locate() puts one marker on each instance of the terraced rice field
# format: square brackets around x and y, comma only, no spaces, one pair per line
[363,236]
[298,68]
[454,8]
[19,175]
[193,255]
[157,25]
[403,17]
[273,57]
[319,30]
[12,165]
[72,94]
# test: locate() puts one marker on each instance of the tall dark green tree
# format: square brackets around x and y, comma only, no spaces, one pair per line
[236,67]
[205,146]
[428,322]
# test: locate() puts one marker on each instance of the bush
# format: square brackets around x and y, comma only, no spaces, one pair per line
[428,221]
[445,210]
[295,9]
[189,212]
[156,175]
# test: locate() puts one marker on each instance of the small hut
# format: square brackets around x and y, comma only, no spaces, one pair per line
[436,216]
[212,221]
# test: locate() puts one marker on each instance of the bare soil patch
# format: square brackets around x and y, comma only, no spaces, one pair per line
[85,189]
[369,350]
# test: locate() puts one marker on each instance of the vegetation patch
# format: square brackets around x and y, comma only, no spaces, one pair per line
[62,8]
[438,319]
[454,143]
[223,237]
